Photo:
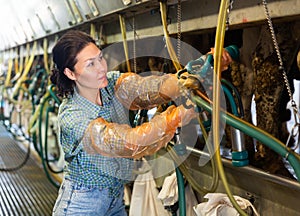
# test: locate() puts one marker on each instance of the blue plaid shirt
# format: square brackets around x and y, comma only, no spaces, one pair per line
[75,114]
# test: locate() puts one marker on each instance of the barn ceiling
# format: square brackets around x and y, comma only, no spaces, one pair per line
[22,21]
[26,20]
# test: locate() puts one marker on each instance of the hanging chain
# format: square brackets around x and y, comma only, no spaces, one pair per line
[134,44]
[281,67]
[179,29]
[228,11]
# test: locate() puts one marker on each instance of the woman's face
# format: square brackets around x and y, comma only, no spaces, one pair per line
[91,68]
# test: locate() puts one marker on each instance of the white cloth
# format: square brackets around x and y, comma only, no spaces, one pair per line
[169,191]
[169,194]
[144,199]
[219,204]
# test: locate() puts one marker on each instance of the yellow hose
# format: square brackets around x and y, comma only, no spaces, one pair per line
[93,31]
[21,66]
[172,53]
[123,29]
[9,71]
[215,176]
[26,70]
[27,53]
[33,118]
[32,127]
[182,166]
[219,44]
[45,47]
[16,62]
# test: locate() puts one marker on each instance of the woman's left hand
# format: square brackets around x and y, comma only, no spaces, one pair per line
[226,58]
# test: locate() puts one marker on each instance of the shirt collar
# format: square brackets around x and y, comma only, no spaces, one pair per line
[82,101]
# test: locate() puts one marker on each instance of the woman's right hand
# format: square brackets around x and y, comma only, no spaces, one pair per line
[178,116]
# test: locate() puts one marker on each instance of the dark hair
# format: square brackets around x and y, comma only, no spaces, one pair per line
[64,55]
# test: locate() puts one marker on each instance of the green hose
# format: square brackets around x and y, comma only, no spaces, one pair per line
[231,101]
[51,89]
[257,133]
[181,192]
[237,95]
[50,109]
[41,141]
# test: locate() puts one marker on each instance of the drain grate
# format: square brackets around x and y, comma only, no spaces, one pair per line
[26,191]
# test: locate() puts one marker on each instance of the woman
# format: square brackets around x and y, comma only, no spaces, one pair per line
[94,131]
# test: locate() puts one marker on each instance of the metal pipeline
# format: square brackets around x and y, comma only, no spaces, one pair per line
[239,153]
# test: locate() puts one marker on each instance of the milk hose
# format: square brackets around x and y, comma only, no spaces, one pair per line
[182,170]
[36,111]
[26,69]
[215,176]
[45,56]
[219,44]
[27,55]
[50,109]
[231,100]
[6,85]
[36,104]
[123,30]
[255,132]
[41,152]
[182,166]
[21,64]
[9,71]
[178,67]
[172,53]
[21,79]
[181,192]
[16,63]
[93,31]
[240,111]
[19,166]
